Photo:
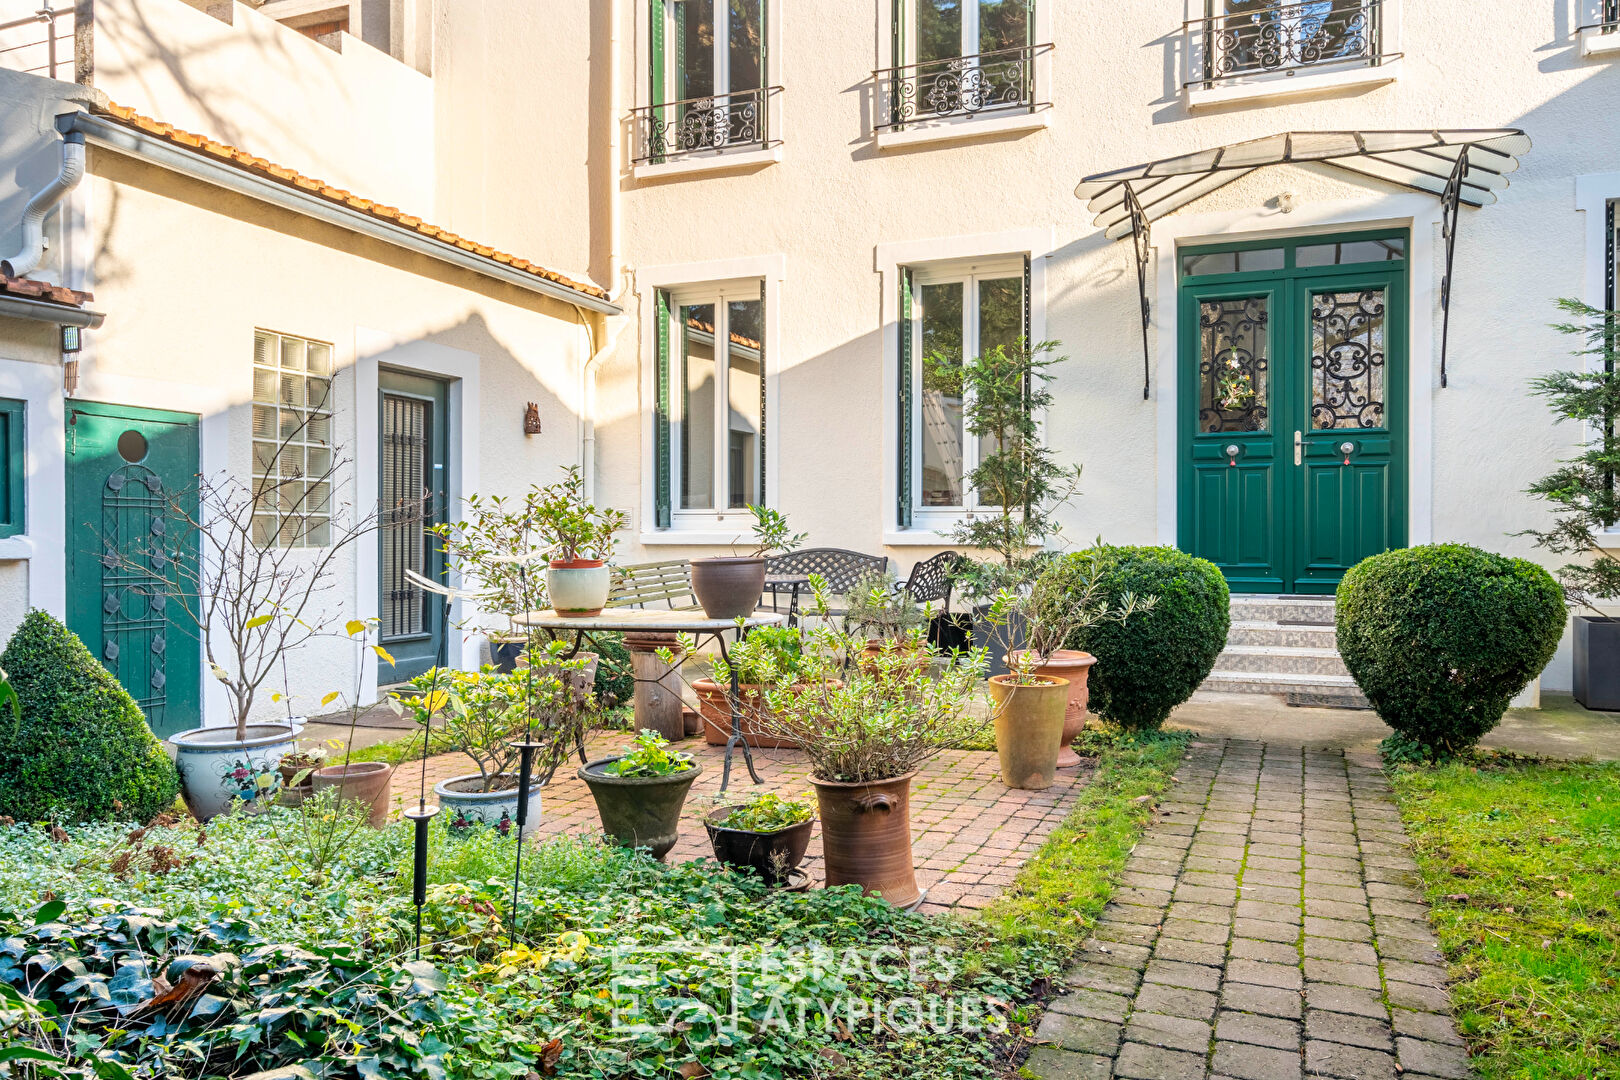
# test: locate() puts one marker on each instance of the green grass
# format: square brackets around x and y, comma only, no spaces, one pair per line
[1062,890]
[1521,863]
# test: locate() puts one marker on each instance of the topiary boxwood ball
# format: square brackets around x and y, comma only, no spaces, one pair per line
[1441,637]
[82,750]
[1154,660]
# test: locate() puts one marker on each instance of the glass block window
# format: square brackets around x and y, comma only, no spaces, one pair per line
[292,441]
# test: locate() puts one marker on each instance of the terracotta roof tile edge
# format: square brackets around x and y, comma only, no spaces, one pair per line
[43,290]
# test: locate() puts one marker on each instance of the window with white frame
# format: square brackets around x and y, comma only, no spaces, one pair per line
[707,81]
[710,409]
[950,313]
[958,58]
[292,441]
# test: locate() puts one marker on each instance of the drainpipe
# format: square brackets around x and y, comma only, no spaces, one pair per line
[32,252]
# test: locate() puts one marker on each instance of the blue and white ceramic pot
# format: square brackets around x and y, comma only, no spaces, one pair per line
[218,770]
[462,804]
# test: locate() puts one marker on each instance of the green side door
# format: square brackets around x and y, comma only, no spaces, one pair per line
[125,468]
[1293,409]
[413,464]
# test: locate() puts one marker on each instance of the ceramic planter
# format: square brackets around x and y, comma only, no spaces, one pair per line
[874,651]
[866,837]
[366,782]
[218,770]
[504,652]
[463,804]
[773,855]
[578,587]
[1597,662]
[714,705]
[728,587]
[1076,667]
[639,811]
[1029,728]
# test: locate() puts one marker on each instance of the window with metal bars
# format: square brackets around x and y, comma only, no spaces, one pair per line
[292,441]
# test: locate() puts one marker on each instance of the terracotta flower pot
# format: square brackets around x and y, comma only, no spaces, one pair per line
[866,837]
[578,587]
[714,706]
[366,782]
[1029,729]
[773,856]
[639,811]
[1075,666]
[874,651]
[728,587]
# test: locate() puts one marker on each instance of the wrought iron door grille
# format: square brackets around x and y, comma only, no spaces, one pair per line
[677,129]
[138,572]
[1258,38]
[960,86]
[405,479]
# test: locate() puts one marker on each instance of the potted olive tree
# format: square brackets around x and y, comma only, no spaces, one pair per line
[639,793]
[1586,501]
[866,729]
[729,586]
[767,835]
[580,537]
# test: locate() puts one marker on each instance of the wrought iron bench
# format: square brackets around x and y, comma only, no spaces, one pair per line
[840,567]
[932,580]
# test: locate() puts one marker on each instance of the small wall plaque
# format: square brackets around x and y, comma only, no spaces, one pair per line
[531,419]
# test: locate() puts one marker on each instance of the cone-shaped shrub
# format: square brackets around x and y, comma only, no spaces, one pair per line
[82,750]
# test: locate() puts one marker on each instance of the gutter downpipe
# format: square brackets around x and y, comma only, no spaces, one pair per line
[32,252]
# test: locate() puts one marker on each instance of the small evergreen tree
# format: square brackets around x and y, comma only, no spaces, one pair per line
[1583,489]
[81,750]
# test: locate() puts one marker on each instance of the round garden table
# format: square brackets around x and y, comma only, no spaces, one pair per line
[654,621]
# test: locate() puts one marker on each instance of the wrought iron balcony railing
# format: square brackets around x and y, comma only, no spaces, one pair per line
[679,129]
[1283,40]
[1601,15]
[960,86]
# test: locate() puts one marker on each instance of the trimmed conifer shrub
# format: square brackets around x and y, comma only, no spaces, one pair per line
[81,750]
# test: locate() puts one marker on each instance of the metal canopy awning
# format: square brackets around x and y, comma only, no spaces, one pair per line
[1458,166]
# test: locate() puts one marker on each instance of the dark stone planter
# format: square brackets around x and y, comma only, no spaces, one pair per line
[1597,662]
[504,654]
[728,587]
[639,811]
[773,856]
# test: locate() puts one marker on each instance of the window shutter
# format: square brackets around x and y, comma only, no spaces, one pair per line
[1027,344]
[661,411]
[903,457]
[764,321]
[13,476]
[656,8]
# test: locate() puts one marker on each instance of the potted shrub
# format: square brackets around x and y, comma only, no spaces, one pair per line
[729,586]
[580,537]
[298,766]
[767,835]
[888,618]
[759,660]
[639,793]
[1587,503]
[866,730]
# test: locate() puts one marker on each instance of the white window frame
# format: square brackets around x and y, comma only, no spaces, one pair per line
[311,514]
[969,273]
[684,282]
[1597,38]
[892,259]
[720,295]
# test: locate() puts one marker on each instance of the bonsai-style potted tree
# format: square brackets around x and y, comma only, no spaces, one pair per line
[639,793]
[729,586]
[866,729]
[1041,700]
[766,834]
[767,655]
[580,537]
[1586,501]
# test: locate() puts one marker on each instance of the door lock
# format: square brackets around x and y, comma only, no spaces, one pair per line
[1231,453]
[1299,448]
[1347,448]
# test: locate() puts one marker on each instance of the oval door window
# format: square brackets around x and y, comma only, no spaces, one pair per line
[132,446]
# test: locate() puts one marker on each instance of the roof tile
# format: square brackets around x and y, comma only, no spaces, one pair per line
[43,290]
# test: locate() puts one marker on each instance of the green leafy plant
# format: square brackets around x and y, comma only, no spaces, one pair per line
[767,654]
[81,751]
[649,755]
[771,533]
[490,547]
[8,697]
[570,525]
[1583,490]
[875,607]
[768,813]
[1441,637]
[1064,597]
[1152,662]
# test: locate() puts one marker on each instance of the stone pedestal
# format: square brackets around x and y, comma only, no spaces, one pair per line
[658,685]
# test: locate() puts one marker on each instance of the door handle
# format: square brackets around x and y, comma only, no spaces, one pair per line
[1299,448]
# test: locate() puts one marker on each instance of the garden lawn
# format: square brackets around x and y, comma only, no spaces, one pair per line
[1521,863]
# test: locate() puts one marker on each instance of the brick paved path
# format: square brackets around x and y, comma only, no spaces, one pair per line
[1268,927]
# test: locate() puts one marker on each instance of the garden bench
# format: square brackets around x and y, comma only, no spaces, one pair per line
[640,584]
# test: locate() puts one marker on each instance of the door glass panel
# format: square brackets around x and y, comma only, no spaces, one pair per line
[1354,251]
[1234,364]
[1003,24]
[697,400]
[1348,359]
[745,43]
[1001,324]
[941,414]
[1232,262]
[745,397]
[939,30]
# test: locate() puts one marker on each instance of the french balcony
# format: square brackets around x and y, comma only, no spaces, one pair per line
[707,133]
[954,95]
[1265,49]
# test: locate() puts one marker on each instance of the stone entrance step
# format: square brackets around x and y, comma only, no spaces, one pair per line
[1285,646]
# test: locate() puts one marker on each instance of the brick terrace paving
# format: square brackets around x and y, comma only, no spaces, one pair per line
[1267,927]
[970,834]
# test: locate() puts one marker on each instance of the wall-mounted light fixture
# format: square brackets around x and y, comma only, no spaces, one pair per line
[531,419]
[72,342]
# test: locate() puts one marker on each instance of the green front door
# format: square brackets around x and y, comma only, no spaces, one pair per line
[413,461]
[125,468]
[1293,407]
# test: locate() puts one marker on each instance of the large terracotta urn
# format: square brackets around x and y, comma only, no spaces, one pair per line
[1074,666]
[866,837]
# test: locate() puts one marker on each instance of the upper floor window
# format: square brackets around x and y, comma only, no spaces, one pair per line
[1241,42]
[958,58]
[292,441]
[1599,28]
[707,84]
